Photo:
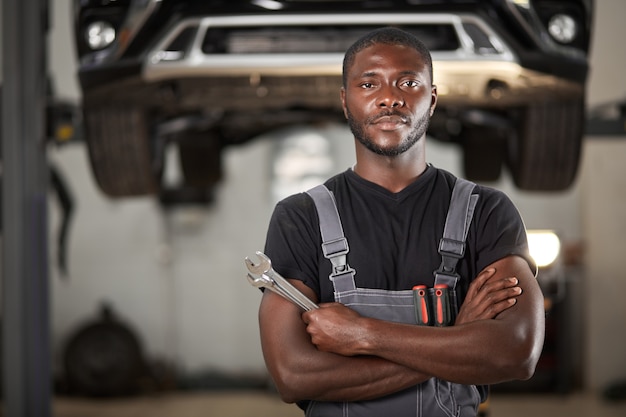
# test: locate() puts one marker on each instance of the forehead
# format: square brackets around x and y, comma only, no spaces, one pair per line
[387,56]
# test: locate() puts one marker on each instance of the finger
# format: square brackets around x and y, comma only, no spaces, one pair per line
[484,294]
[484,276]
[494,295]
[496,285]
[306,317]
[506,295]
[480,280]
[493,308]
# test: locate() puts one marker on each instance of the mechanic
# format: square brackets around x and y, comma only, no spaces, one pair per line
[337,361]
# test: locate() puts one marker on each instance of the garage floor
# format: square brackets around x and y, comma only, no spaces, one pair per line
[262,404]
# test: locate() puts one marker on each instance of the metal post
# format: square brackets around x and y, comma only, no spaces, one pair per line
[25,319]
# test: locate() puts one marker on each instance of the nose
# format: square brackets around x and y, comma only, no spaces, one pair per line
[391,97]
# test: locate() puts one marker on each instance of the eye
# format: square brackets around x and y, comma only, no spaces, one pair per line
[410,83]
[367,85]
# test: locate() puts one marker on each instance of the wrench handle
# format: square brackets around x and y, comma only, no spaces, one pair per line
[290,292]
[289,297]
[282,293]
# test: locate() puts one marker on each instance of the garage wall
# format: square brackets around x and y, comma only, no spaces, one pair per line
[604,208]
[177,276]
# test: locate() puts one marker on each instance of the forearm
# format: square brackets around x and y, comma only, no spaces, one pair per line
[331,377]
[483,352]
[376,378]
[479,352]
[302,372]
[479,349]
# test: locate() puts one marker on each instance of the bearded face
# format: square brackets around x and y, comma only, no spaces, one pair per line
[418,129]
[388,98]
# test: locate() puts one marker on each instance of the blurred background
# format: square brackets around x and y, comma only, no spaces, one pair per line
[169,280]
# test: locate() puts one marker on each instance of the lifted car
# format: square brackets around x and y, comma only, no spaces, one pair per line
[204,75]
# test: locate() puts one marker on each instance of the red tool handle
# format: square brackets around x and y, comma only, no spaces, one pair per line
[421,302]
[441,303]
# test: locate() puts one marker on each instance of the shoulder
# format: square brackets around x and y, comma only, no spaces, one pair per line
[492,199]
[489,199]
[296,202]
[296,212]
[446,181]
[300,207]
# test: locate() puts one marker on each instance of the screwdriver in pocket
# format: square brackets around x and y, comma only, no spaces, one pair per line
[441,305]
[423,314]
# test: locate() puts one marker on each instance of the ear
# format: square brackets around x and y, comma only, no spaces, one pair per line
[342,93]
[433,99]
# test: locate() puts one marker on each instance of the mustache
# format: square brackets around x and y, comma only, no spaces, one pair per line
[388,113]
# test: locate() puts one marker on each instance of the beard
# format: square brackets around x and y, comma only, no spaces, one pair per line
[419,130]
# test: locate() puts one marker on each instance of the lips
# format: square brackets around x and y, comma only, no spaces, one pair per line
[390,122]
[390,119]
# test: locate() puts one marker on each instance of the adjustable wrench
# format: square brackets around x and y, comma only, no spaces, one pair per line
[263,275]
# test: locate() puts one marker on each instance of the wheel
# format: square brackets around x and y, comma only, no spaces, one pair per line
[484,152]
[103,359]
[118,142]
[544,152]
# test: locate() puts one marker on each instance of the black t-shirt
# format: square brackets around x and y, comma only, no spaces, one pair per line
[393,237]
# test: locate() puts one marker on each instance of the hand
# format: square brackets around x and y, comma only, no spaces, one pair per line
[487,297]
[334,328]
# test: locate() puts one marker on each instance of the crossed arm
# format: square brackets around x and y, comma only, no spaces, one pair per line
[334,354]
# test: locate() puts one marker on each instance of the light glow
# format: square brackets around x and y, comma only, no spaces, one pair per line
[99,35]
[563,28]
[268,4]
[544,246]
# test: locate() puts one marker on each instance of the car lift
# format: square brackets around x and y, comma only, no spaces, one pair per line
[26,370]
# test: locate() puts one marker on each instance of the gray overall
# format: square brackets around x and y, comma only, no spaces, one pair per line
[434,397]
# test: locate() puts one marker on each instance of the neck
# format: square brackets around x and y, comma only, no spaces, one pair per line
[392,173]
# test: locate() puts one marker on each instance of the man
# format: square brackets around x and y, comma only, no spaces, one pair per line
[392,206]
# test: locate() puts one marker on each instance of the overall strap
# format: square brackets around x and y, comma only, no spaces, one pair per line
[458,220]
[334,243]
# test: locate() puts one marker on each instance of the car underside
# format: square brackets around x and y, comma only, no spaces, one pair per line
[204,78]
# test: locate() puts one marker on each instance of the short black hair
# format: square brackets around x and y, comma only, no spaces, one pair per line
[388,36]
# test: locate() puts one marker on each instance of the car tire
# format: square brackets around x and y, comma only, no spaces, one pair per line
[544,152]
[484,153]
[118,142]
[104,358]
